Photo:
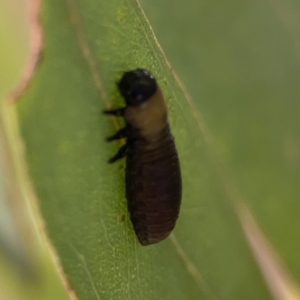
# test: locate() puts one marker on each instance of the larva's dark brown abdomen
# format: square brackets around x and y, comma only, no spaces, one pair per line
[153,187]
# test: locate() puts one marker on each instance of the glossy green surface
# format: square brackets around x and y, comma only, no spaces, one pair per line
[239,88]
[240,62]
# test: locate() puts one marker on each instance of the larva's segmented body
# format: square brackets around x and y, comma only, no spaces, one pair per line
[153,179]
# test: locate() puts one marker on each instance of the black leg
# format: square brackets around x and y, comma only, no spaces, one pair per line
[115,112]
[119,135]
[121,153]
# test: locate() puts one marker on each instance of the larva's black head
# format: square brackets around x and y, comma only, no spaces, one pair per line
[137,86]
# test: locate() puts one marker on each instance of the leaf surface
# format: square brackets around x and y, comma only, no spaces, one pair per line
[87,46]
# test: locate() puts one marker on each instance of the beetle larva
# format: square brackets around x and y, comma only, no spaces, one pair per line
[153,179]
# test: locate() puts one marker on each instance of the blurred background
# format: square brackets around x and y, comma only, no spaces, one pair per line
[26,269]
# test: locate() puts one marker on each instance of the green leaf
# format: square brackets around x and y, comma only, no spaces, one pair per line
[87,46]
[240,63]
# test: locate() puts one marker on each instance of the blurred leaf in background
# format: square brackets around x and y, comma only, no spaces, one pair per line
[26,271]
